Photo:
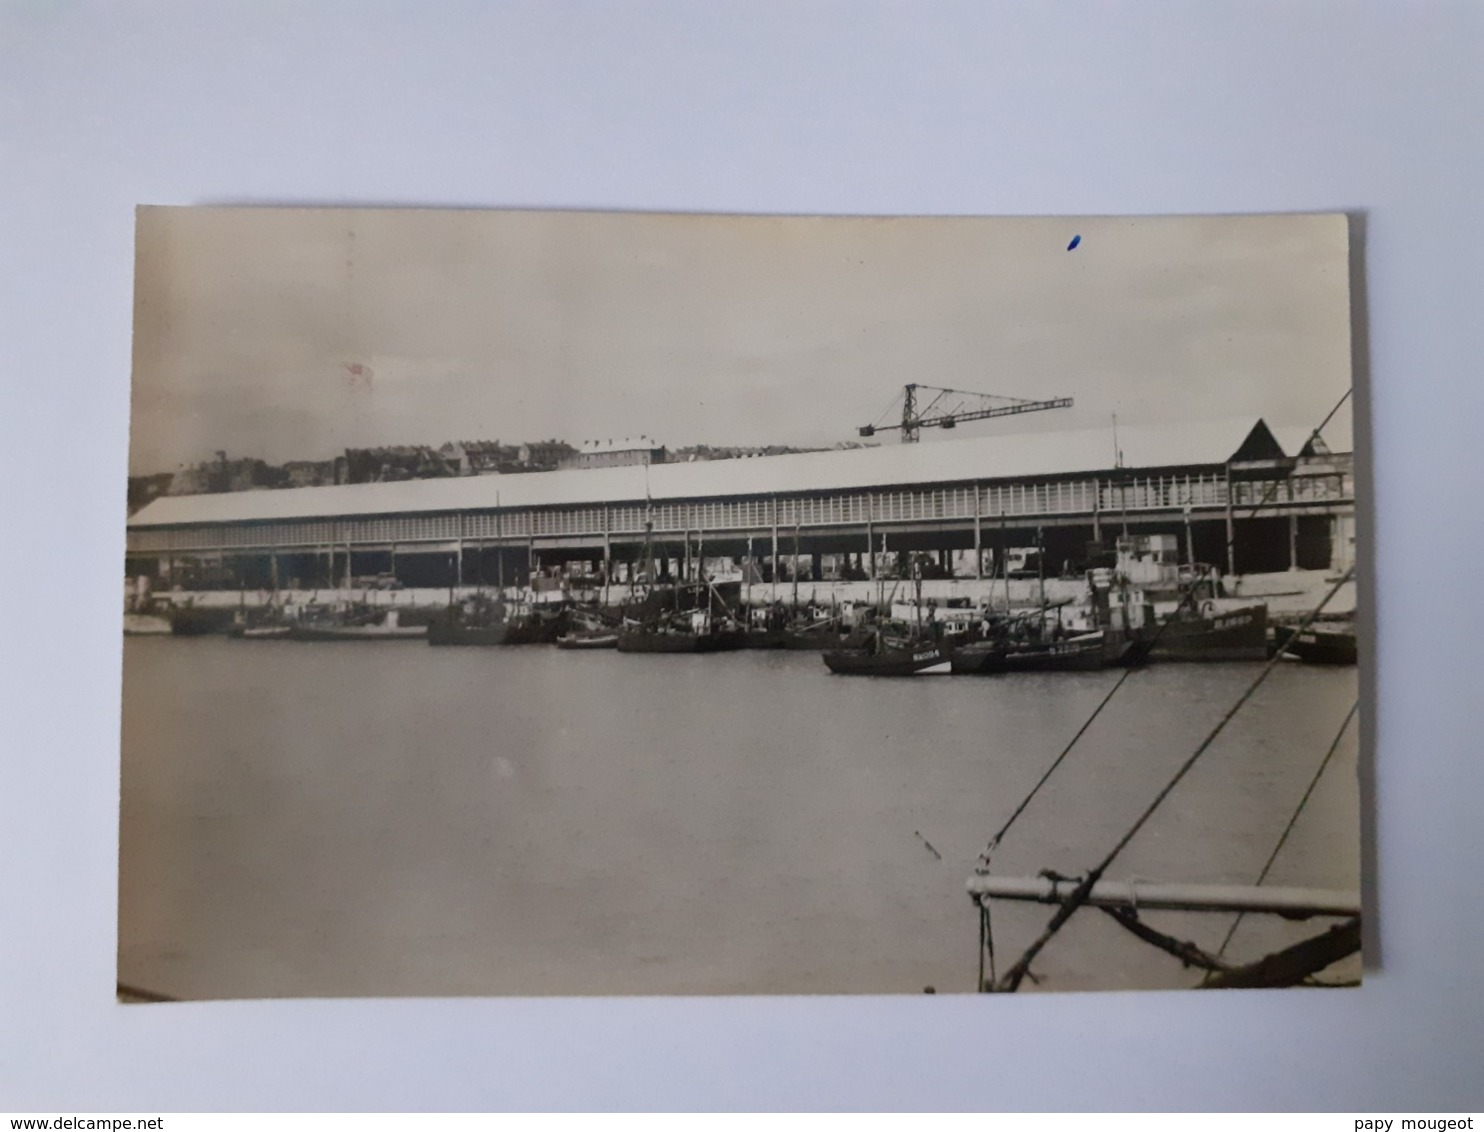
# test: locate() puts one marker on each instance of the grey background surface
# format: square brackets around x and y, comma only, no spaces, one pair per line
[870,108]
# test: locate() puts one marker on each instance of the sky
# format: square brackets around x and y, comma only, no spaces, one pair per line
[294,333]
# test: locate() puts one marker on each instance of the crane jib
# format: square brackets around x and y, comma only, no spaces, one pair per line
[941,411]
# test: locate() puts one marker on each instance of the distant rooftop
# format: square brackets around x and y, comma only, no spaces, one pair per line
[627,444]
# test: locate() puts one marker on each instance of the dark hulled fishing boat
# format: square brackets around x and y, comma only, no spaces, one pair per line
[478,620]
[698,632]
[484,620]
[198,621]
[270,622]
[359,623]
[896,648]
[683,624]
[445,632]
[588,628]
[1081,652]
[767,628]
[891,653]
[267,623]
[1201,627]
[1318,644]
[810,629]
[536,625]
[1208,634]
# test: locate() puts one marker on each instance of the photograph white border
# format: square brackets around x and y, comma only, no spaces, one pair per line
[989,109]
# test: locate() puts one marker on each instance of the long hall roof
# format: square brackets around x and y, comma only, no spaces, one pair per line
[1010,457]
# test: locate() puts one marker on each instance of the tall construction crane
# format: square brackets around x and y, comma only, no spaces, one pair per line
[950,407]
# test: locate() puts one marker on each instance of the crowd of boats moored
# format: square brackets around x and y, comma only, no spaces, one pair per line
[1112,625]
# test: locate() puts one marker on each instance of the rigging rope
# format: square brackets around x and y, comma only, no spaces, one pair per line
[1293,820]
[994,842]
[986,926]
[1065,751]
[1080,895]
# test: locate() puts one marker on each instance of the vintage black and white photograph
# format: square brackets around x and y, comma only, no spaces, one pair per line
[524,603]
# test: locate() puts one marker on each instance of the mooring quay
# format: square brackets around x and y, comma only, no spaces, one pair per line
[1237,494]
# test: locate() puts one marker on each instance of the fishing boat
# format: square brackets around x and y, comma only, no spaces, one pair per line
[1318,644]
[528,623]
[890,654]
[443,632]
[711,627]
[1081,652]
[198,621]
[810,629]
[896,648]
[1208,633]
[697,631]
[588,639]
[141,624]
[1201,626]
[357,624]
[261,623]
[1065,636]
[588,628]
[263,632]
[478,620]
[767,628]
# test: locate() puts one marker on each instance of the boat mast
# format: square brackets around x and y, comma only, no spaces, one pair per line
[880,576]
[917,594]
[1005,561]
[795,570]
[751,566]
[499,548]
[1041,570]
[648,545]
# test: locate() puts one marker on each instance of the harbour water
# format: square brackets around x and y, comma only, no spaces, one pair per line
[391,819]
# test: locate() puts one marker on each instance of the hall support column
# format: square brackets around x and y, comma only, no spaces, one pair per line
[775,548]
[1097,512]
[1231,526]
[794,568]
[978,532]
[607,547]
[458,573]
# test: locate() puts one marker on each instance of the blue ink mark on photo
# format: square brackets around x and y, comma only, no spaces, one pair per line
[1075,241]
